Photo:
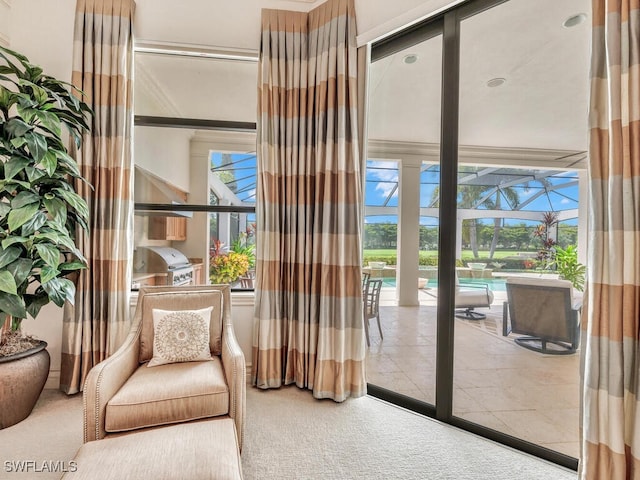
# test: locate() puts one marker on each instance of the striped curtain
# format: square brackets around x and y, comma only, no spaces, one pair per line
[308,319]
[611,413]
[102,69]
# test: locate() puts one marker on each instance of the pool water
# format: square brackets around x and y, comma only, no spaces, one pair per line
[495,284]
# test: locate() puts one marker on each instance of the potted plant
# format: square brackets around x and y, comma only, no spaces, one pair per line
[568,267]
[39,212]
[227,267]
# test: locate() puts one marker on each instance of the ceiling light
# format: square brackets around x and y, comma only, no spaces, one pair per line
[496,82]
[574,20]
[411,58]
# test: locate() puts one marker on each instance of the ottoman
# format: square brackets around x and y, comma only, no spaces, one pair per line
[206,449]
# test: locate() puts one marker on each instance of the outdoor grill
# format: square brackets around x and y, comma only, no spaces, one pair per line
[165,259]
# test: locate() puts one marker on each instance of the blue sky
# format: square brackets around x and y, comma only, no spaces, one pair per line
[245,174]
[382,178]
[381,184]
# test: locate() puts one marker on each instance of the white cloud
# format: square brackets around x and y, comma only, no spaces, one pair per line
[388,177]
[386,188]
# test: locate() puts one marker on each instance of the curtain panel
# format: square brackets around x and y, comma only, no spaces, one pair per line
[610,413]
[309,326]
[102,69]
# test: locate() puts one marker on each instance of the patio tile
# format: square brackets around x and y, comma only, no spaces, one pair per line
[487,419]
[496,382]
[532,426]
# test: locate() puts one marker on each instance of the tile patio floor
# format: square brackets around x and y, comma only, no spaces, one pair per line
[497,383]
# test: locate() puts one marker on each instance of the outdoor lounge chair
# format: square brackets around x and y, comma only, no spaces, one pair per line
[545,311]
[471,296]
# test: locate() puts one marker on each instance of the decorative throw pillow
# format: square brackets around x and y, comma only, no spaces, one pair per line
[180,336]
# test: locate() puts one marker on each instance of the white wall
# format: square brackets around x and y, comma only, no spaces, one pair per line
[164,152]
[5,7]
[236,25]
[43,31]
[377,18]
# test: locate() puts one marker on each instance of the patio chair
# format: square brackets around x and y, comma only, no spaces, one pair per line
[365,280]
[545,311]
[246,281]
[471,296]
[372,306]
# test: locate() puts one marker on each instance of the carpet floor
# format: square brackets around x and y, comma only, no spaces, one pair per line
[290,435]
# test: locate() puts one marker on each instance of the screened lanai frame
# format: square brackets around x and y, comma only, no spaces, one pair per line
[535,191]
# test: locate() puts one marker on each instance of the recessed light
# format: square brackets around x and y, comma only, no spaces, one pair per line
[496,82]
[411,58]
[574,20]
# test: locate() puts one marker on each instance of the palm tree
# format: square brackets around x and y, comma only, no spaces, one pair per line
[474,196]
[513,200]
[468,196]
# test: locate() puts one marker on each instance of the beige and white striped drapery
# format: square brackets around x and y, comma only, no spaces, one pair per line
[611,413]
[102,69]
[308,320]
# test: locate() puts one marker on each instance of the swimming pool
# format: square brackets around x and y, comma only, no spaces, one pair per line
[495,284]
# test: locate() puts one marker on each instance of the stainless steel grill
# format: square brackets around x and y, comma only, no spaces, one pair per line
[165,259]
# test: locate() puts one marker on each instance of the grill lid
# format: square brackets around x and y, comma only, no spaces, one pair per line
[159,259]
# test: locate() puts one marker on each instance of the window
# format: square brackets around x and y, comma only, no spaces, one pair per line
[195,166]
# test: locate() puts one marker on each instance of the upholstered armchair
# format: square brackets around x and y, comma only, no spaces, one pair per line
[123,393]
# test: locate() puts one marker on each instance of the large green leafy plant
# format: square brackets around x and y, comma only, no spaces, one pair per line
[227,267]
[568,267]
[39,207]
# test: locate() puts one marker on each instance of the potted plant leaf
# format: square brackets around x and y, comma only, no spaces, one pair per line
[568,267]
[39,213]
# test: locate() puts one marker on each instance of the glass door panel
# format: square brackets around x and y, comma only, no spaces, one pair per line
[522,142]
[401,217]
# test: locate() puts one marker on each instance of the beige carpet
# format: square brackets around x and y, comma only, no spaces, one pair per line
[290,435]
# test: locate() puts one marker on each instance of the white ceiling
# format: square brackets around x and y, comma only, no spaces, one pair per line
[543,103]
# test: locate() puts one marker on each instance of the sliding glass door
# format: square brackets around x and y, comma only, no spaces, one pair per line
[401,222]
[492,125]
[522,148]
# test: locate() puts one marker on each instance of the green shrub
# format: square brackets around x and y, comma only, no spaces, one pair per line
[227,268]
[425,259]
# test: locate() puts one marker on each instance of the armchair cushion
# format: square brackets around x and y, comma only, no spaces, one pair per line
[172,393]
[180,336]
[180,300]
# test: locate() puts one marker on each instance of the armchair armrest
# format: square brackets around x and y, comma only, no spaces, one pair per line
[233,364]
[104,380]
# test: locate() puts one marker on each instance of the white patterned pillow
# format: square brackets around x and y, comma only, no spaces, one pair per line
[180,336]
